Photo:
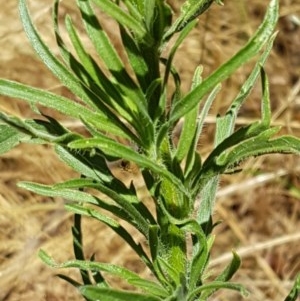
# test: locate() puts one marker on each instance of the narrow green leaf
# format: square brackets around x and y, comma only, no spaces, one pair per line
[266,103]
[110,147]
[208,196]
[78,247]
[225,124]
[230,270]
[260,146]
[174,48]
[295,291]
[135,9]
[9,138]
[126,20]
[226,275]
[190,10]
[150,14]
[132,94]
[187,135]
[153,241]
[201,253]
[105,95]
[122,213]
[114,225]
[56,67]
[216,285]
[40,130]
[110,125]
[63,105]
[136,59]
[170,272]
[101,42]
[105,294]
[94,167]
[158,21]
[155,249]
[256,43]
[97,81]
[42,97]
[134,214]
[115,270]
[88,71]
[68,194]
[192,127]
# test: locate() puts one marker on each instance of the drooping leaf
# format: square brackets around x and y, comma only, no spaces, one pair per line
[114,225]
[134,216]
[132,278]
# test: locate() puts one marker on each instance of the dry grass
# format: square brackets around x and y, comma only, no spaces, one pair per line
[260,207]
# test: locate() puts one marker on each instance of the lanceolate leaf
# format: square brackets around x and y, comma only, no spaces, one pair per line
[68,194]
[123,273]
[88,71]
[103,294]
[134,95]
[262,35]
[114,225]
[124,19]
[216,285]
[45,98]
[172,53]
[136,60]
[225,124]
[63,105]
[56,67]
[90,166]
[190,10]
[9,138]
[69,188]
[110,147]
[230,270]
[192,127]
[40,130]
[260,146]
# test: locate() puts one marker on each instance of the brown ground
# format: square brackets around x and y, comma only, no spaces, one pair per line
[260,207]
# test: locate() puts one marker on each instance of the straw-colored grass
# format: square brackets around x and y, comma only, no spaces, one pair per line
[260,207]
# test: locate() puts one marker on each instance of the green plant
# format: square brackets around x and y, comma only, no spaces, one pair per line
[138,105]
